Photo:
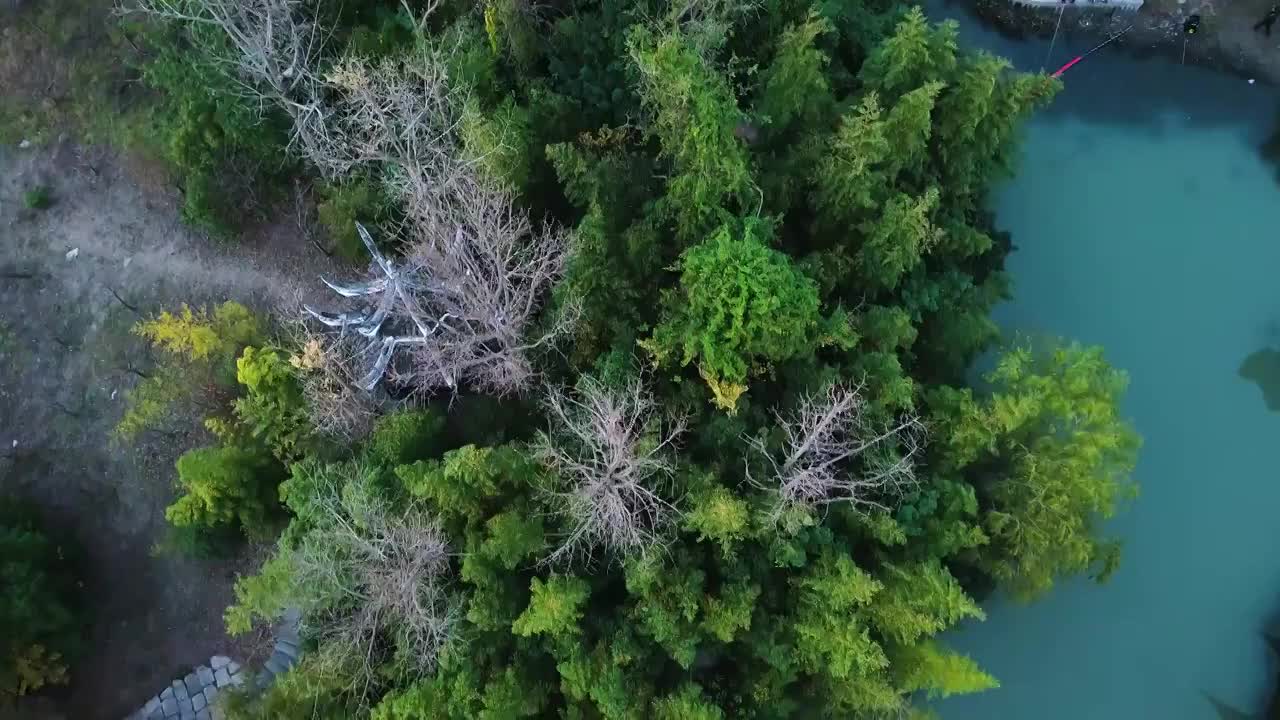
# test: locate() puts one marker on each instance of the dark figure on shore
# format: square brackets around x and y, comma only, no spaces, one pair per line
[1266,22]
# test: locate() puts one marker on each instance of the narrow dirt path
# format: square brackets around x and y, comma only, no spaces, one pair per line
[73,279]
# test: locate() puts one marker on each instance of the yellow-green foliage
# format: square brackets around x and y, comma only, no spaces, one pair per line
[499,140]
[34,667]
[197,348]
[741,306]
[695,116]
[555,607]
[197,334]
[227,485]
[1064,454]
[272,411]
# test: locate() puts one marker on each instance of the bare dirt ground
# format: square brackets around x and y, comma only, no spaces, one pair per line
[67,360]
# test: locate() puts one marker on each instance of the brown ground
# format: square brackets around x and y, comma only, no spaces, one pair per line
[67,358]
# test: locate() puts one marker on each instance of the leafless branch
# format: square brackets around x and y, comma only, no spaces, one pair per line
[326,365]
[835,451]
[460,307]
[609,448]
[372,579]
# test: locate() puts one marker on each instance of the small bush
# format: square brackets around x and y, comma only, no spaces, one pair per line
[38,198]
[40,622]
[199,542]
[224,149]
[405,437]
[272,409]
[345,205]
[225,487]
[199,349]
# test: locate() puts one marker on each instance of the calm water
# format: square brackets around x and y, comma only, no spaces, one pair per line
[1146,222]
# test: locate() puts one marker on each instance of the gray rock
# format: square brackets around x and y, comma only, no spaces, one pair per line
[157,714]
[289,648]
[193,684]
[198,702]
[278,663]
[219,661]
[180,691]
[233,667]
[187,714]
[167,694]
[152,705]
[210,694]
[222,677]
[170,707]
[205,675]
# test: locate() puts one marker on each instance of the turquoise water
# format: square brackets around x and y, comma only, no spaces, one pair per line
[1145,221]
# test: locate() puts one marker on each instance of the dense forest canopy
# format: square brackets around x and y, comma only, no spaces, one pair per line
[654,401]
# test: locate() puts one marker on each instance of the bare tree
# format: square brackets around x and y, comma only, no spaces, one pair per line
[834,451]
[609,448]
[276,45]
[401,112]
[371,578]
[459,307]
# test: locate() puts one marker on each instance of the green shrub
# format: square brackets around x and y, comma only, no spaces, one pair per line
[405,437]
[227,486]
[37,198]
[228,153]
[344,205]
[200,542]
[198,351]
[272,411]
[40,624]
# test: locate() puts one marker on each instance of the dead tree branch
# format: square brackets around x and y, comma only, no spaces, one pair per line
[610,448]
[372,579]
[835,451]
[327,366]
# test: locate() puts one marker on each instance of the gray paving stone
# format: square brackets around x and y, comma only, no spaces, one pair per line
[205,675]
[180,691]
[222,677]
[170,707]
[277,663]
[193,684]
[237,679]
[151,706]
[210,694]
[198,702]
[187,713]
[204,715]
[233,667]
[157,714]
[219,661]
[168,693]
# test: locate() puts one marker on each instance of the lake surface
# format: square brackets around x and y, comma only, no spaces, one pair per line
[1146,222]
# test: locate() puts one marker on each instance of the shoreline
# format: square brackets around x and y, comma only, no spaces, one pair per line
[1226,41]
